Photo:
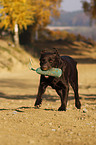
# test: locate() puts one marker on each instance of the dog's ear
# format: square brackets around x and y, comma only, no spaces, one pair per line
[57,58]
[56,51]
[43,51]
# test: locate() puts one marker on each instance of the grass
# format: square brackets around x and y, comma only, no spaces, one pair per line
[11,56]
[5,49]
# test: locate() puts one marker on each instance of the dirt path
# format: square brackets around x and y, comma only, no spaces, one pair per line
[21,124]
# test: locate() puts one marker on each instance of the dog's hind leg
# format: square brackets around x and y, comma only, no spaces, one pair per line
[74,84]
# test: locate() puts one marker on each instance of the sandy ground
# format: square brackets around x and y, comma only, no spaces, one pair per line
[22,124]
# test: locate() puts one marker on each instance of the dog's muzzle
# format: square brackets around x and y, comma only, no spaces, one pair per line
[45,68]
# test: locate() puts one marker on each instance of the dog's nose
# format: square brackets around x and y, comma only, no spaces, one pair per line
[44,68]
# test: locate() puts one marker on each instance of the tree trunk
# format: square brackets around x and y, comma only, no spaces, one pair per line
[16,35]
[36,35]
[36,32]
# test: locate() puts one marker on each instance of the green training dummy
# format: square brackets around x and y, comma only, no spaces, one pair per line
[55,72]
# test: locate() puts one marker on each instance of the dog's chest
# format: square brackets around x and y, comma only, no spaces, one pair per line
[55,83]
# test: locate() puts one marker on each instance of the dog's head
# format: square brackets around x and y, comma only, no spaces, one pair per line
[49,59]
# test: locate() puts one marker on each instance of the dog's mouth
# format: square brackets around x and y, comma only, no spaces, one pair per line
[46,77]
[44,68]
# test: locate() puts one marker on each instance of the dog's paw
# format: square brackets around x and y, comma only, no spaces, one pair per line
[38,103]
[61,108]
[78,105]
[37,106]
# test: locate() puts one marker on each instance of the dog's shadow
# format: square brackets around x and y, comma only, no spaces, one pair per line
[19,109]
[87,97]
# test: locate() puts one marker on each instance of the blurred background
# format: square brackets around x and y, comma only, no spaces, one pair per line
[34,25]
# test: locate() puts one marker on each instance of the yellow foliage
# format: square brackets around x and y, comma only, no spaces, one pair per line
[27,12]
[19,12]
[44,10]
[90,8]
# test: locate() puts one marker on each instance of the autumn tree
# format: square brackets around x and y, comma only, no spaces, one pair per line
[90,8]
[44,10]
[16,15]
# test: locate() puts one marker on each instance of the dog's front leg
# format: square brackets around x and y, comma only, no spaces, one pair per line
[41,90]
[63,93]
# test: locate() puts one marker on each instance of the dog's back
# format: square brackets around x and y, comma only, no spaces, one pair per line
[70,60]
